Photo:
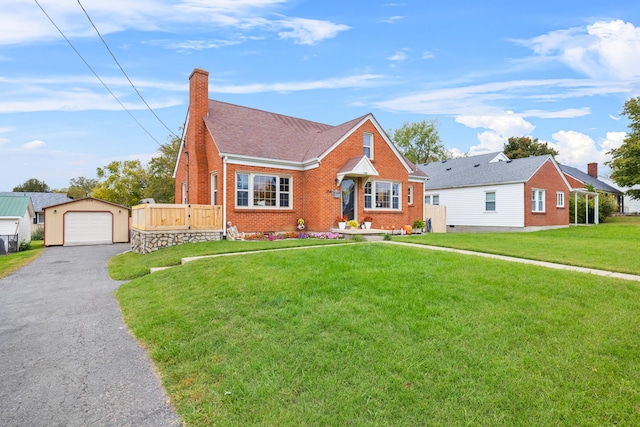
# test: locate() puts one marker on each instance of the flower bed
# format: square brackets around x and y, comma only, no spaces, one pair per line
[293,235]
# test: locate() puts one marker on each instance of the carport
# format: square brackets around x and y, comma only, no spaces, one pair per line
[86,221]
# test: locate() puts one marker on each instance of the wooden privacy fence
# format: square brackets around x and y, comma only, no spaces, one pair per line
[176,217]
[438,215]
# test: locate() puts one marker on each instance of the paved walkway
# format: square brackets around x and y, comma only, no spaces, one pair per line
[525,261]
[66,356]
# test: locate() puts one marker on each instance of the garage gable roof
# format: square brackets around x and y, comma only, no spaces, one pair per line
[88,198]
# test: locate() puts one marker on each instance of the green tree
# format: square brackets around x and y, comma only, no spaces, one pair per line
[122,182]
[160,172]
[520,147]
[420,142]
[625,160]
[33,185]
[81,187]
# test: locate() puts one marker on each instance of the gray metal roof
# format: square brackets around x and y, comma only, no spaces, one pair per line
[479,170]
[587,179]
[39,200]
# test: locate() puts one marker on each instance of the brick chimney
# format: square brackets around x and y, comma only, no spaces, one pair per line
[196,137]
[592,169]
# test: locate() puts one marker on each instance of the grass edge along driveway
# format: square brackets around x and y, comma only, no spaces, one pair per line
[373,334]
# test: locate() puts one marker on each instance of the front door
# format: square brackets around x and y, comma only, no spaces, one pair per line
[348,194]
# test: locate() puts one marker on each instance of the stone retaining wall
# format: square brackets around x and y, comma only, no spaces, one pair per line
[148,241]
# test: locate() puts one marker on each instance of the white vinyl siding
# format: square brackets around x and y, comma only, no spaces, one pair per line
[466,206]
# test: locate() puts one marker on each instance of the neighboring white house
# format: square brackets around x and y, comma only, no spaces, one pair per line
[490,192]
[630,206]
[40,201]
[16,216]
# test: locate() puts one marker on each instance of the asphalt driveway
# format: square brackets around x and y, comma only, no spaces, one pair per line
[66,356]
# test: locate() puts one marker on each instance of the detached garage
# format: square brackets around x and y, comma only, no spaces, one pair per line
[86,222]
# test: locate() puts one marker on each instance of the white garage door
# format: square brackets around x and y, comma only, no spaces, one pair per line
[88,228]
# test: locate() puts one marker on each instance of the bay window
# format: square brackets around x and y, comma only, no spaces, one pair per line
[382,195]
[263,191]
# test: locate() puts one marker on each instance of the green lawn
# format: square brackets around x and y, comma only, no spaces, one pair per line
[614,245]
[380,335]
[12,262]
[131,265]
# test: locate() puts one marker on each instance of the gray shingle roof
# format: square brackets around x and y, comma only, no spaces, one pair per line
[478,170]
[256,133]
[587,179]
[39,200]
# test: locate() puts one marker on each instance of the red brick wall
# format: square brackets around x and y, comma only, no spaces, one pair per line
[549,179]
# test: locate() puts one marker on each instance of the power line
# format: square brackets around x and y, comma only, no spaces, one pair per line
[123,72]
[95,74]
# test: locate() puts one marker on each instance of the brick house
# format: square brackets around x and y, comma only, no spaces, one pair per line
[267,170]
[491,192]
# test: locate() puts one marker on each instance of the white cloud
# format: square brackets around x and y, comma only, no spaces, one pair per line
[613,140]
[309,31]
[392,19]
[569,113]
[499,129]
[33,145]
[24,22]
[428,55]
[399,56]
[363,80]
[605,49]
[577,149]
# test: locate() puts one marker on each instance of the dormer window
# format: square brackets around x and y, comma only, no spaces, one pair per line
[367,144]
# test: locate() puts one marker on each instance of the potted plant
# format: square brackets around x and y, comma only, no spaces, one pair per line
[419,224]
[367,222]
[353,224]
[342,221]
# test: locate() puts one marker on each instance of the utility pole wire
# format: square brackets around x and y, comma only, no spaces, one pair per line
[123,72]
[95,74]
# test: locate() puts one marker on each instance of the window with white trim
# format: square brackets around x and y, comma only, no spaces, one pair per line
[263,191]
[184,193]
[432,199]
[367,144]
[39,219]
[410,195]
[382,195]
[559,199]
[537,200]
[214,188]
[490,201]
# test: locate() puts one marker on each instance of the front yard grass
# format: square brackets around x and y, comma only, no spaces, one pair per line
[130,265]
[374,334]
[612,246]
[11,262]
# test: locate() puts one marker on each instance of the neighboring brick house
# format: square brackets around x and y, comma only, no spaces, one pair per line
[490,192]
[579,179]
[267,170]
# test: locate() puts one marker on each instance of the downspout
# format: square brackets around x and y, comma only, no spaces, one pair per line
[186,191]
[224,196]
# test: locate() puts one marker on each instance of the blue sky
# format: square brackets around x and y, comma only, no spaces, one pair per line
[559,71]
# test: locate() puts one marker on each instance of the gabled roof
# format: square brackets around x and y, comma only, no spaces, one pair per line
[15,206]
[587,179]
[250,132]
[88,198]
[484,169]
[39,200]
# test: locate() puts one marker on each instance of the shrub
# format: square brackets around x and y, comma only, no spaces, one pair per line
[24,246]
[38,234]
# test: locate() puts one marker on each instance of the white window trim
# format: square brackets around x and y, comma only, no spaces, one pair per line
[410,195]
[495,201]
[250,190]
[213,181]
[373,196]
[184,193]
[538,195]
[370,145]
[559,199]
[430,197]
